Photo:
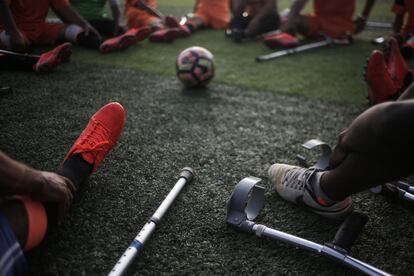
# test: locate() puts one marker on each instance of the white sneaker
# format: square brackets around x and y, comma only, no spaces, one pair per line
[292,184]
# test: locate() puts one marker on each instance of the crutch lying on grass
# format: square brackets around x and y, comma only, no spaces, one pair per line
[396,190]
[327,41]
[246,202]
[137,244]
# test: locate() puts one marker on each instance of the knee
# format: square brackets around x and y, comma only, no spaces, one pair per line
[394,122]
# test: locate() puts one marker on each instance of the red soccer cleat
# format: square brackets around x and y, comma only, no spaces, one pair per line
[165,35]
[49,60]
[100,135]
[397,67]
[380,85]
[125,40]
[284,40]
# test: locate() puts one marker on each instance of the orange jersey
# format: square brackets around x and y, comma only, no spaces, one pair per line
[137,18]
[331,17]
[343,9]
[405,7]
[28,13]
[213,13]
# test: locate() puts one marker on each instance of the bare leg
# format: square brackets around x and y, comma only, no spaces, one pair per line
[376,148]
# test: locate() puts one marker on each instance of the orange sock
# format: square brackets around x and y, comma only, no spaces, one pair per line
[37,222]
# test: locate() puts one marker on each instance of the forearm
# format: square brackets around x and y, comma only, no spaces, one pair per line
[367,8]
[237,7]
[70,16]
[116,12]
[6,18]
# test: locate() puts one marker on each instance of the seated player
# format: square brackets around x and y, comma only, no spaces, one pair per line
[375,149]
[94,12]
[44,63]
[387,74]
[334,19]
[140,13]
[403,25]
[251,18]
[23,25]
[212,14]
[35,201]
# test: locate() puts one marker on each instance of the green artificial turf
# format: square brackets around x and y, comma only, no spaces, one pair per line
[251,116]
[332,73]
[225,133]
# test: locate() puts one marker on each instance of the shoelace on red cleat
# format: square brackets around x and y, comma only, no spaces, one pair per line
[88,142]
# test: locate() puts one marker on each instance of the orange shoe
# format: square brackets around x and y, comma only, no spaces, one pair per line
[380,85]
[165,35]
[49,60]
[397,67]
[125,40]
[100,135]
[284,40]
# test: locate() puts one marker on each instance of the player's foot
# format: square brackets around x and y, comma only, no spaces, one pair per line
[125,40]
[293,184]
[165,35]
[284,40]
[100,135]
[172,23]
[396,65]
[381,87]
[49,60]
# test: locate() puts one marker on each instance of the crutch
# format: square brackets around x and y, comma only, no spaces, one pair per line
[137,244]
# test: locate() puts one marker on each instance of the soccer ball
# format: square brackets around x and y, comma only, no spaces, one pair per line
[195,67]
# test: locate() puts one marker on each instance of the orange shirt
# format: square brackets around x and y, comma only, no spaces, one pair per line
[344,9]
[403,7]
[213,13]
[27,13]
[220,6]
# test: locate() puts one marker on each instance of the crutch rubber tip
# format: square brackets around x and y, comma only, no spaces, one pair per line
[187,173]
[350,230]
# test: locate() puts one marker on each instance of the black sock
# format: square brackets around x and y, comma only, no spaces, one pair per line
[16,61]
[88,41]
[76,169]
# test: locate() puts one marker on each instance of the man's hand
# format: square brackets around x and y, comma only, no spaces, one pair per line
[359,23]
[18,42]
[50,187]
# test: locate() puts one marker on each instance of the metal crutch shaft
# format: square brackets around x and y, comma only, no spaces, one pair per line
[137,244]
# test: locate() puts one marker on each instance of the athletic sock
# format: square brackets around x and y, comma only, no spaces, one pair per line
[315,185]
[88,40]
[76,169]
[17,61]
